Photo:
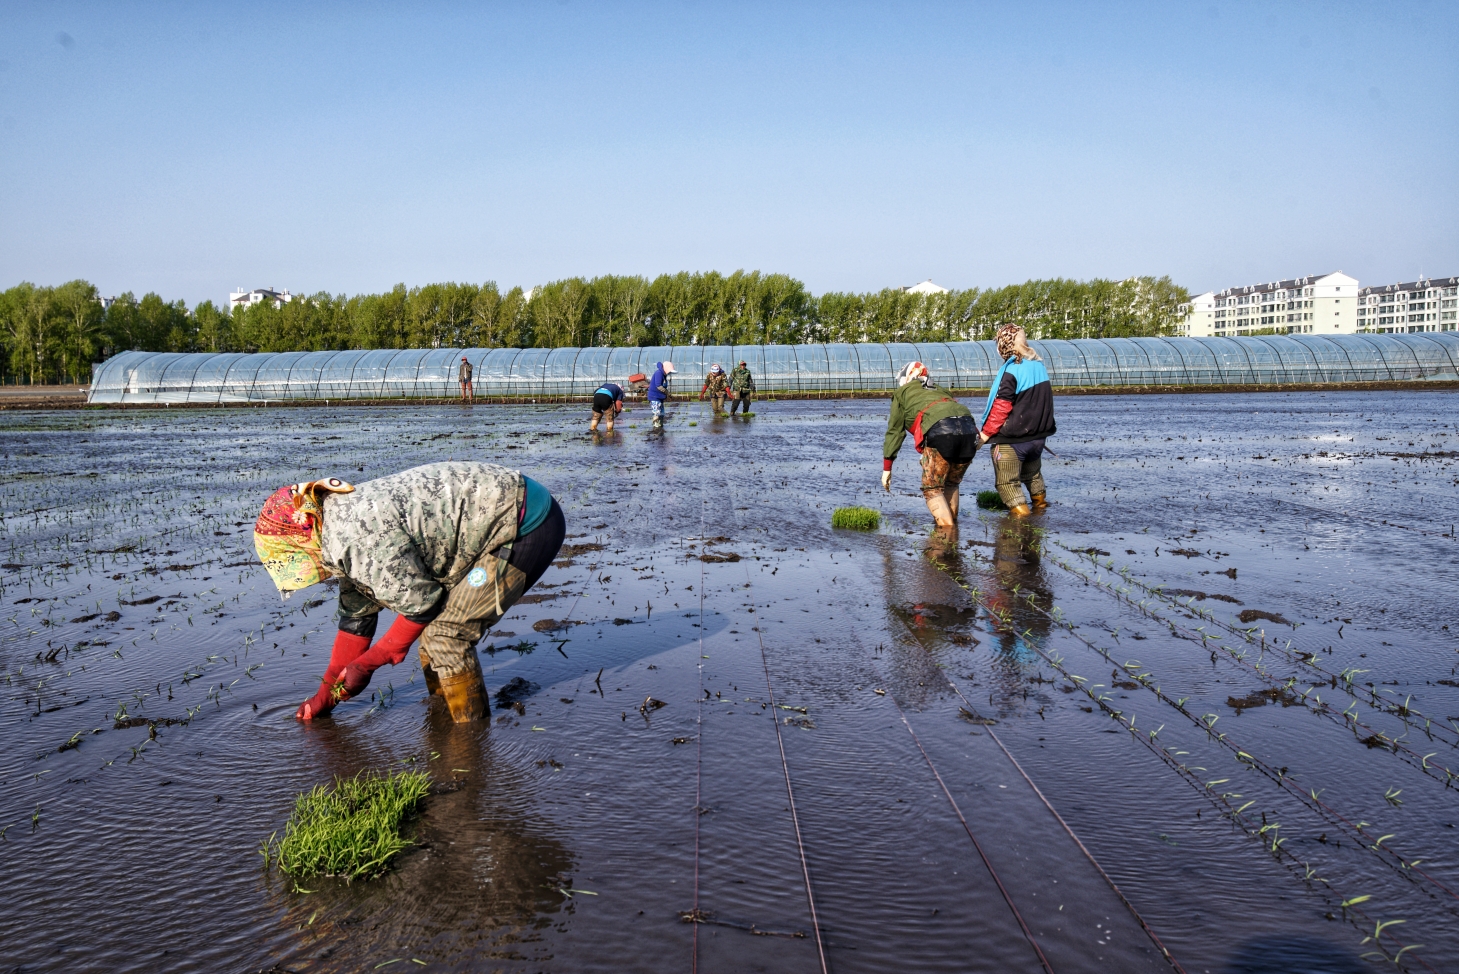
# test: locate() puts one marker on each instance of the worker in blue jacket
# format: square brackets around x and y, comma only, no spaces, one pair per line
[658,391]
[1018,416]
[607,404]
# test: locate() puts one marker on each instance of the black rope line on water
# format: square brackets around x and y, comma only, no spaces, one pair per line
[805,868]
[1404,866]
[1340,681]
[1023,925]
[987,726]
[695,916]
[1219,800]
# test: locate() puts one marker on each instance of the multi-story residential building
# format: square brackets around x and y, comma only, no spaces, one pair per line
[247,299]
[1428,304]
[1317,305]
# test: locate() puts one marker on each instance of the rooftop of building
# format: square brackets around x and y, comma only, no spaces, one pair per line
[1287,285]
[1422,284]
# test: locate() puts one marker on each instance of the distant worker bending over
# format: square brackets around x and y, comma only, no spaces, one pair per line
[1017,418]
[448,547]
[607,402]
[463,375]
[716,384]
[742,388]
[658,391]
[942,430]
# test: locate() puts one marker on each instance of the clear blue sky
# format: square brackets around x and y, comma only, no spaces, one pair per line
[192,148]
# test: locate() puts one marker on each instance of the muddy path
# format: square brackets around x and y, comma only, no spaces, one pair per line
[1220,670]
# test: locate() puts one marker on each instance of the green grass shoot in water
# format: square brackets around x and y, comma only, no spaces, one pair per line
[351,830]
[856,518]
[990,500]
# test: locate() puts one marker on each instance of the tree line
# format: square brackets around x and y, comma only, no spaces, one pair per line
[54,334]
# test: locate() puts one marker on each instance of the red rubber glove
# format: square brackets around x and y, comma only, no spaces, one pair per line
[391,649]
[347,648]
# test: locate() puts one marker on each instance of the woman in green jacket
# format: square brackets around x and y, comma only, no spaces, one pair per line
[943,431]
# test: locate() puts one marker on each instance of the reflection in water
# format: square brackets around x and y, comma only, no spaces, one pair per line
[1017,590]
[483,881]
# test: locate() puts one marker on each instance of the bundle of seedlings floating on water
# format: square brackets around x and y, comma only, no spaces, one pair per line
[856,518]
[991,500]
[350,830]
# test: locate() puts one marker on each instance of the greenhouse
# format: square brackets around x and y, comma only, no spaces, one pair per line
[534,374]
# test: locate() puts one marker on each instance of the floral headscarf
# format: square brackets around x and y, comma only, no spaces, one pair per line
[286,535]
[914,371]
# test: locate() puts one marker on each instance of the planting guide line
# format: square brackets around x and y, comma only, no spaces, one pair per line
[988,729]
[1358,830]
[1343,681]
[1348,906]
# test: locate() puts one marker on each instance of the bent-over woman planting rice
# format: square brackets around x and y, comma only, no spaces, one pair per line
[448,547]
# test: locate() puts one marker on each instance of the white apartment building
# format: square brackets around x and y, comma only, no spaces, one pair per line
[1317,305]
[1428,304]
[247,299]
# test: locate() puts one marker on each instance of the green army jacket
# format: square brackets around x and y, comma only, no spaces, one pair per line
[398,542]
[740,380]
[907,402]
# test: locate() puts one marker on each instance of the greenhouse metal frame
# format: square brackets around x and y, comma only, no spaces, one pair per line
[547,374]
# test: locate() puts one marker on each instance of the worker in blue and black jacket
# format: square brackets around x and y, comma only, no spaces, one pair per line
[1018,416]
[607,404]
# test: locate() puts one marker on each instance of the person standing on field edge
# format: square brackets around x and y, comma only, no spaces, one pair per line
[716,383]
[742,388]
[1018,415]
[942,430]
[464,375]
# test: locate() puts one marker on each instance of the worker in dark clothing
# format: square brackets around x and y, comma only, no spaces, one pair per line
[463,375]
[1018,416]
[942,430]
[607,402]
[742,388]
[658,391]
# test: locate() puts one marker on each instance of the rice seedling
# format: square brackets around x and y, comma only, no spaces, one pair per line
[990,500]
[856,518]
[351,830]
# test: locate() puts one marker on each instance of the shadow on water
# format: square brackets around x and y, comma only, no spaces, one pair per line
[485,878]
[1286,955]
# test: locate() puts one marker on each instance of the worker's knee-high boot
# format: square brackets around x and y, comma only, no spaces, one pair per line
[1039,502]
[465,694]
[433,682]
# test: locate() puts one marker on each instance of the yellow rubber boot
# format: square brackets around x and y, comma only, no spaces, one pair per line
[433,682]
[1020,510]
[465,696]
[1040,502]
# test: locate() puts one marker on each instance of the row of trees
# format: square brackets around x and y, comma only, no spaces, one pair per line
[50,334]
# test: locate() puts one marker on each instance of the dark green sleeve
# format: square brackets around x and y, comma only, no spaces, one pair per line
[896,430]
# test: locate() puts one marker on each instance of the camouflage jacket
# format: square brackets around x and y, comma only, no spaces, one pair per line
[740,380]
[715,384]
[400,541]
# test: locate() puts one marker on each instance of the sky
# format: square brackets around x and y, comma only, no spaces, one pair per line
[191,148]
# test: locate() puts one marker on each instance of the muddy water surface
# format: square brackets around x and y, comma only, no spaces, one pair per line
[1223,659]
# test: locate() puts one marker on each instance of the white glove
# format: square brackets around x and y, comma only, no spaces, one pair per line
[886,481]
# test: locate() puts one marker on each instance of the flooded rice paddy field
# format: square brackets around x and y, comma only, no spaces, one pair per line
[1224,660]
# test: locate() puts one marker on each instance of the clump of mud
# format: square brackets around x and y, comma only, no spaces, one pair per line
[1202,596]
[1251,615]
[1260,698]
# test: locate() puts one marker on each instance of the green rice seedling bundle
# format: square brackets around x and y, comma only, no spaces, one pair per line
[990,500]
[350,830]
[856,518]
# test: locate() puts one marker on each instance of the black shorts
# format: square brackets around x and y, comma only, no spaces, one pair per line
[955,437]
[602,402]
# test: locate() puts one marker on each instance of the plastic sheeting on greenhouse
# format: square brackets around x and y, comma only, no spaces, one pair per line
[561,373]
